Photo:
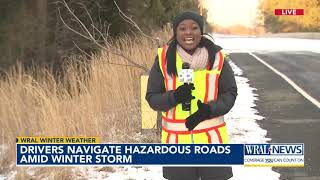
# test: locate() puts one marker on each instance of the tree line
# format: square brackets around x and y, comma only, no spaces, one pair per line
[32,31]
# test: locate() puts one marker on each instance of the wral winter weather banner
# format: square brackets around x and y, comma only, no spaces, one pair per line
[74,151]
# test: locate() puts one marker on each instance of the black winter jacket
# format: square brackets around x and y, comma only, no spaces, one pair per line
[160,100]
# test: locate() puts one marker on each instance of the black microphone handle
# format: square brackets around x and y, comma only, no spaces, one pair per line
[186,106]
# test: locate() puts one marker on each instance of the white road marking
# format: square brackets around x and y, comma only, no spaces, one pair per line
[286,78]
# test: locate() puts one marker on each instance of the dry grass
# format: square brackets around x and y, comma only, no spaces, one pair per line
[99,99]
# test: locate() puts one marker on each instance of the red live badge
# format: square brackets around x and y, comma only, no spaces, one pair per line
[289,12]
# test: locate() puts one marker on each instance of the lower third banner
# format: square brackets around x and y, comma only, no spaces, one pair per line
[130,154]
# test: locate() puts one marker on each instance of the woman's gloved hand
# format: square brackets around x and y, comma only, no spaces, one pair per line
[202,114]
[184,93]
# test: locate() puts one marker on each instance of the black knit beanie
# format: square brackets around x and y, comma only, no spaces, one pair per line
[187,15]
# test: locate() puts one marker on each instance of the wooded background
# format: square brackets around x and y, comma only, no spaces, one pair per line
[31,31]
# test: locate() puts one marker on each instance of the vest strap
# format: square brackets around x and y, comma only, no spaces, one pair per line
[193,131]
[179,126]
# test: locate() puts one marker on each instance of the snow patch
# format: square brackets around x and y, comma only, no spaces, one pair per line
[240,44]
[243,128]
[143,173]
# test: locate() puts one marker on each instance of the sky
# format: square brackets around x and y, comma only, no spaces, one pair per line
[231,12]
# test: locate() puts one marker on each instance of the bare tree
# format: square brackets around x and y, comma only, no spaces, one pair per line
[100,35]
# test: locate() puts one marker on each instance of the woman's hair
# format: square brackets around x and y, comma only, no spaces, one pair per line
[172,48]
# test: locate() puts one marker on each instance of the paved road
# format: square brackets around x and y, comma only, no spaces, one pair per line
[289,117]
[301,67]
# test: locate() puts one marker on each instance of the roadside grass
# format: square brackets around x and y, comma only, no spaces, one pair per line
[99,98]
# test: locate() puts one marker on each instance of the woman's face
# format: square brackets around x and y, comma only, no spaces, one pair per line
[188,34]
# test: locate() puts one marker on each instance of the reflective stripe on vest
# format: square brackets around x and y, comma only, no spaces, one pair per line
[206,84]
[179,126]
[170,82]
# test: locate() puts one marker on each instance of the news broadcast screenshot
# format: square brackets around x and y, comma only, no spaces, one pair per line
[160,90]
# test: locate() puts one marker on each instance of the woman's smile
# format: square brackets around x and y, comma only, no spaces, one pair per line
[189,40]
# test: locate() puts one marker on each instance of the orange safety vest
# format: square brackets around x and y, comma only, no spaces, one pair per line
[206,89]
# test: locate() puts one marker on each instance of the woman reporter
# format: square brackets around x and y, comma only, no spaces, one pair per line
[211,94]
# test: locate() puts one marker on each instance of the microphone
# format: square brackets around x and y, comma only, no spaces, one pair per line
[186,76]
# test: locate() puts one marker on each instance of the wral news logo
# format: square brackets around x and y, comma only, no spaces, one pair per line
[274,149]
[282,155]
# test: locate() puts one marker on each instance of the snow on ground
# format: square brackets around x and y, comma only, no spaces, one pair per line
[243,128]
[11,175]
[267,44]
[124,173]
[241,120]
